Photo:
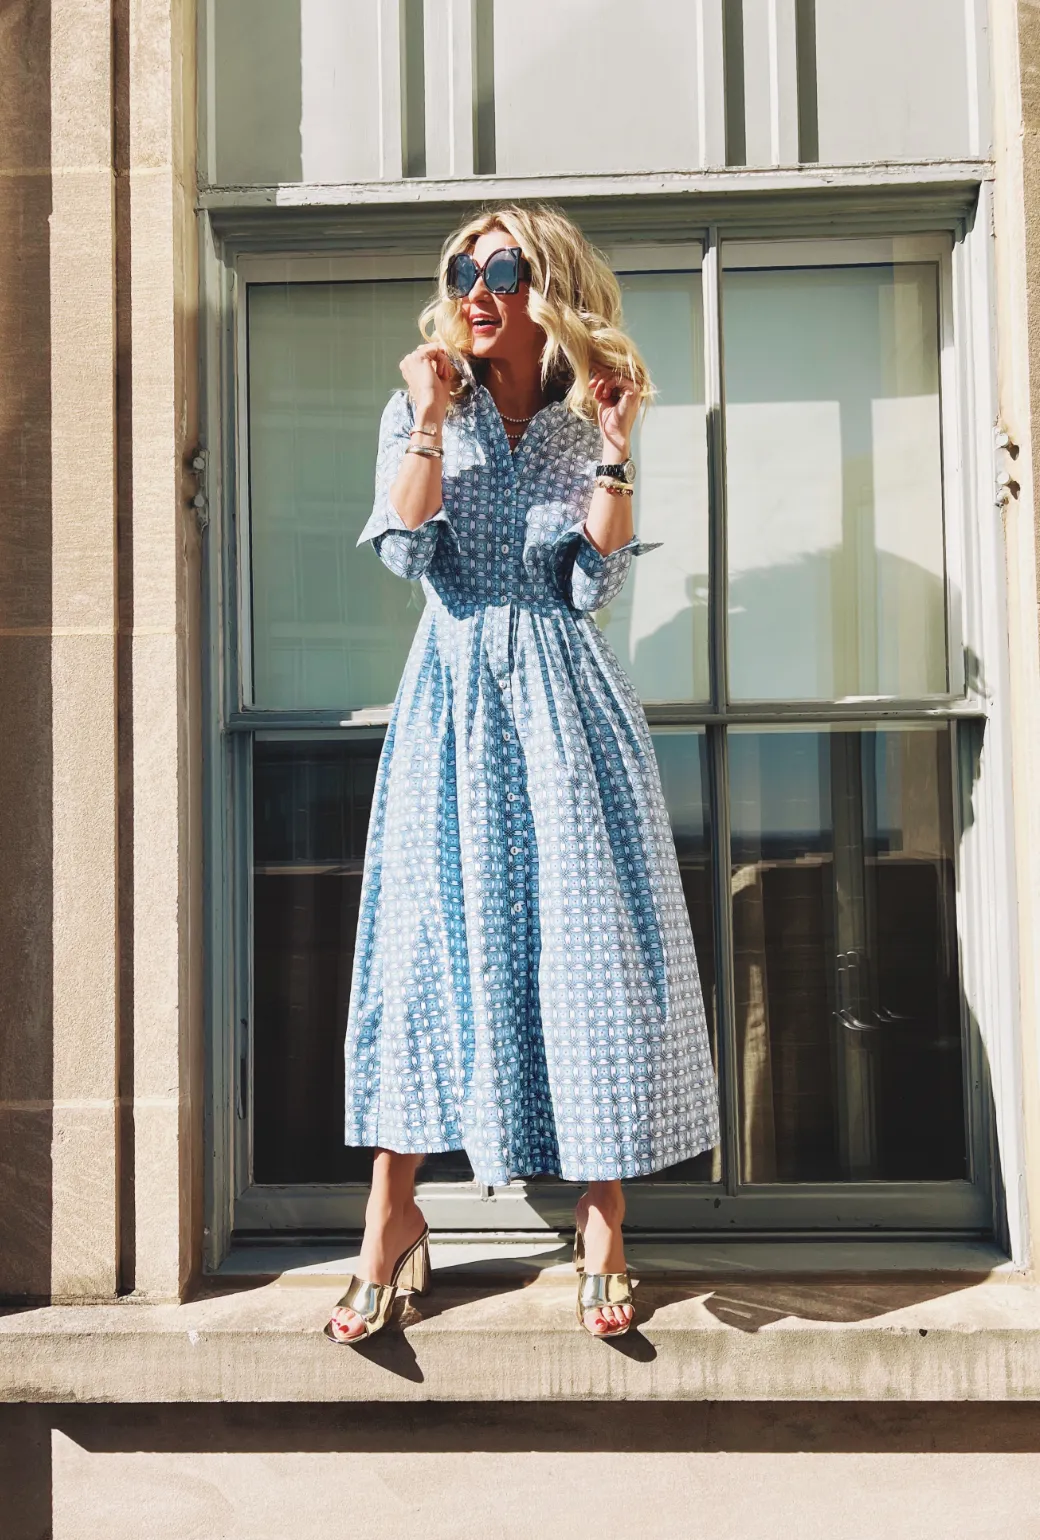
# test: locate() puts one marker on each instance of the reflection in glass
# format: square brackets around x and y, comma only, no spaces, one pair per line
[845,951]
[658,625]
[331,627]
[834,490]
[311,805]
[682,757]
[312,799]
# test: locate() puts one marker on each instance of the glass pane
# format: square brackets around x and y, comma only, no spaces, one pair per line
[331,626]
[845,949]
[682,757]
[311,805]
[834,484]
[658,625]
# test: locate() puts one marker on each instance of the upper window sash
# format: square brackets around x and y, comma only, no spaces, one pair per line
[632,258]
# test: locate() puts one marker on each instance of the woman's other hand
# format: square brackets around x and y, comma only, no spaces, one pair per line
[428,372]
[617,401]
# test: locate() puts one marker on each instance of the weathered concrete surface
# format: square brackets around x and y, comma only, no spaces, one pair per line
[538,1496]
[474,1471]
[782,1339]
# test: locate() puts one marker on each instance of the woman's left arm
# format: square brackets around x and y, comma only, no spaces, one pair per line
[608,523]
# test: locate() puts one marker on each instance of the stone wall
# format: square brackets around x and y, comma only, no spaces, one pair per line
[98,577]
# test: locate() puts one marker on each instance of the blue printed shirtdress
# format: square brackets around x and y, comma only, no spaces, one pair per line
[525,986]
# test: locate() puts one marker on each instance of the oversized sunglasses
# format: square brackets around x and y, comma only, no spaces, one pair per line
[502,272]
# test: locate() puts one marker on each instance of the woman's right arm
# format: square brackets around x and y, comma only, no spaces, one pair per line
[416,490]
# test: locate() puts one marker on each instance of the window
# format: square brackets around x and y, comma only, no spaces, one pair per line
[798,644]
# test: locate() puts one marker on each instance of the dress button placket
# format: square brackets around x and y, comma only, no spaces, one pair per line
[516,800]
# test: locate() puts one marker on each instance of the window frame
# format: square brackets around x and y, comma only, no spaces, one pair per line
[984,872]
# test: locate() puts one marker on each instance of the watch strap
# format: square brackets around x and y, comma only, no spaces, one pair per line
[617,472]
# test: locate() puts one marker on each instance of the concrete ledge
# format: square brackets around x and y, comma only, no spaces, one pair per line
[906,1336]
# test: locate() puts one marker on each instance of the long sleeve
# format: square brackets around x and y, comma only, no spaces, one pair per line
[406,552]
[585,576]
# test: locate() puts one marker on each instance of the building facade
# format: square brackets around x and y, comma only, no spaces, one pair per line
[222,221]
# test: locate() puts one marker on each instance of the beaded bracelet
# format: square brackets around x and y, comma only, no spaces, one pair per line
[621,487]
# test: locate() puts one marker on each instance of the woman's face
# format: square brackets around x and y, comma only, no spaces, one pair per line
[499,324]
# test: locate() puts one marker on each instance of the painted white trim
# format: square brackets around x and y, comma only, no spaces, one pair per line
[632,257]
[837,252]
[216,319]
[956,458]
[786,1208]
[461,92]
[243,684]
[206,117]
[865,176]
[312,267]
[783,82]
[449,76]
[389,64]
[711,85]
[987,876]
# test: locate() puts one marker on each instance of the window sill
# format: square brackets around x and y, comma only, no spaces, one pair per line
[710,1331]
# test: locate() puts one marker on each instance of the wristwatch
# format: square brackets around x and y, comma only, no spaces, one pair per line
[626,471]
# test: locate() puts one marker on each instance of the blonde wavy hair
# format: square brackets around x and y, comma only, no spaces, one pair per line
[574,297]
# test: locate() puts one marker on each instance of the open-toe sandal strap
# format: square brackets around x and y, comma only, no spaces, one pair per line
[596,1290]
[371,1301]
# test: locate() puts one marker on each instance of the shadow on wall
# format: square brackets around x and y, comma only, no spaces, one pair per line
[26,760]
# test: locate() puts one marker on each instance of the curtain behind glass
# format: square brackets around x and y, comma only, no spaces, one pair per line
[834,482]
[331,627]
[658,625]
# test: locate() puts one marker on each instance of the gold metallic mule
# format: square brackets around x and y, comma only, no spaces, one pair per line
[598,1289]
[374,1301]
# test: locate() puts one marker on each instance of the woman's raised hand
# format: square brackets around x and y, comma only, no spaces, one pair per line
[617,401]
[428,372]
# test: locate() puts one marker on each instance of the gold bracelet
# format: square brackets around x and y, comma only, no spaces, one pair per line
[427,453]
[431,432]
[621,487]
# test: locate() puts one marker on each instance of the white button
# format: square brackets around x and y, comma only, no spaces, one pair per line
[510,796]
[514,850]
[505,548]
[518,908]
[507,737]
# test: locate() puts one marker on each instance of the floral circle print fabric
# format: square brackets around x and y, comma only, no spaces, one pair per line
[525,985]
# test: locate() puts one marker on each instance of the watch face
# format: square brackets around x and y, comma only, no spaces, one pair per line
[628,470]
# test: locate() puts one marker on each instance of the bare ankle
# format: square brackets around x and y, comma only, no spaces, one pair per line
[607,1200]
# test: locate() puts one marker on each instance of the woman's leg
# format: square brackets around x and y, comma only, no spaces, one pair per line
[599,1214]
[393,1220]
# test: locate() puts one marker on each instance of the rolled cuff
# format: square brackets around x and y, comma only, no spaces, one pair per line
[406,552]
[588,578]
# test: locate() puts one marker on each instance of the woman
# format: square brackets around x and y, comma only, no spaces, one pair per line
[525,985]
